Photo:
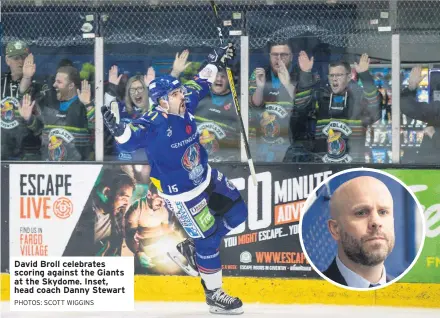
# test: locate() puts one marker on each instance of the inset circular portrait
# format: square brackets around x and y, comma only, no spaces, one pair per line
[362,229]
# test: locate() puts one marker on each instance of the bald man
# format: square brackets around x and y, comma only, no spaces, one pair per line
[362,224]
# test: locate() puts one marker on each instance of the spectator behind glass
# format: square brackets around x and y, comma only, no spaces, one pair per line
[62,124]
[429,152]
[50,91]
[217,122]
[134,104]
[276,92]
[18,142]
[48,88]
[344,110]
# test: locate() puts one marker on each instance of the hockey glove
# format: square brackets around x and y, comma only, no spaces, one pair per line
[219,56]
[110,121]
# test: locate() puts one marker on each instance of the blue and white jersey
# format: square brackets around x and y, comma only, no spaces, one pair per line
[179,163]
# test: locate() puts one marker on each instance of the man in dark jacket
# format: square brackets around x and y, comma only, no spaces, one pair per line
[18,142]
[217,122]
[362,224]
[280,94]
[343,110]
[63,125]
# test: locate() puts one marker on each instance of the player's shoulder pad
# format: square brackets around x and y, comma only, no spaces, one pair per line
[152,118]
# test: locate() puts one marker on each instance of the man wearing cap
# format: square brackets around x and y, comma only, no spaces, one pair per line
[18,143]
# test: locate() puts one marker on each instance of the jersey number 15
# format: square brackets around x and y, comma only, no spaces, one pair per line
[173,188]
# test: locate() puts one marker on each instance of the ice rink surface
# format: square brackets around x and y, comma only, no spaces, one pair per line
[169,309]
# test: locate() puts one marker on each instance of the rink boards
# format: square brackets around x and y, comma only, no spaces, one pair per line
[278,291]
[280,283]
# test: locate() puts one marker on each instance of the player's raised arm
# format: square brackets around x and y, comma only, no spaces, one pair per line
[198,88]
[371,98]
[132,136]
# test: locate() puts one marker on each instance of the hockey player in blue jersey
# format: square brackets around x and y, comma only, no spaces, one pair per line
[205,202]
[135,101]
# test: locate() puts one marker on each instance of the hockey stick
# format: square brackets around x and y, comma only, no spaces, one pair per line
[234,97]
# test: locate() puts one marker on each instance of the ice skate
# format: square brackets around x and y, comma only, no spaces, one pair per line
[186,249]
[221,303]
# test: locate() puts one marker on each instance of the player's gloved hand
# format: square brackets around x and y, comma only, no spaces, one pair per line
[222,54]
[110,121]
[144,260]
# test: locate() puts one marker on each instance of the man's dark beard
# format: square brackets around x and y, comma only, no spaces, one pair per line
[356,253]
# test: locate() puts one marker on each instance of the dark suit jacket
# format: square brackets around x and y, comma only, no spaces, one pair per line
[333,273]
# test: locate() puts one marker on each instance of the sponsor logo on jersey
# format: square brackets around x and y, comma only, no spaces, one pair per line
[8,107]
[198,207]
[125,156]
[191,157]
[184,217]
[57,150]
[191,163]
[205,220]
[337,133]
[186,141]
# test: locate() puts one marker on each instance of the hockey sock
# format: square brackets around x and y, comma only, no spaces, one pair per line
[208,260]
[212,281]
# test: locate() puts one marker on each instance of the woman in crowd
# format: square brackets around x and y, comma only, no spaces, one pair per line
[134,103]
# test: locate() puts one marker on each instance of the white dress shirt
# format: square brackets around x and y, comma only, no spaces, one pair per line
[355,280]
